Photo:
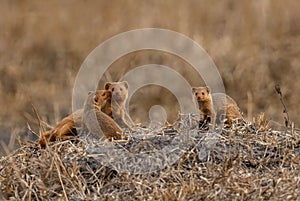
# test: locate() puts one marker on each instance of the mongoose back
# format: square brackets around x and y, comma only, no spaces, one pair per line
[67,126]
[213,105]
[97,121]
[63,129]
[116,107]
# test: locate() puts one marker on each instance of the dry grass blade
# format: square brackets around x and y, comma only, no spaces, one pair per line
[285,111]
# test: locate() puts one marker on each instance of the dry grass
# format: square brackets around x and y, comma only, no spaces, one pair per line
[244,162]
[43,44]
[255,45]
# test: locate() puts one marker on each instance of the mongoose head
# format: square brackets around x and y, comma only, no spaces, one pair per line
[119,90]
[201,93]
[99,98]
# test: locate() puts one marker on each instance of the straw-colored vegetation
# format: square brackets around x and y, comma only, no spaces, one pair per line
[255,45]
[244,162]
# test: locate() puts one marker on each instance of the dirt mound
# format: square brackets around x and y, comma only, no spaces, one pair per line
[246,161]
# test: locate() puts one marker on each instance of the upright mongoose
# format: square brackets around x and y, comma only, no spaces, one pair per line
[213,105]
[116,107]
[97,121]
[67,126]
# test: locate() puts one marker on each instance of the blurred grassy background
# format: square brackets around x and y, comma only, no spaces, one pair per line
[255,44]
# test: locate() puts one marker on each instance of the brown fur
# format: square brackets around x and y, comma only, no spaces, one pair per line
[116,107]
[97,121]
[67,126]
[214,105]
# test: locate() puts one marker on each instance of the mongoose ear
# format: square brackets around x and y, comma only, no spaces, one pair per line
[194,89]
[107,85]
[125,83]
[207,89]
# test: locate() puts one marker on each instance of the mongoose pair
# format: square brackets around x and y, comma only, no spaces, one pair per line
[104,105]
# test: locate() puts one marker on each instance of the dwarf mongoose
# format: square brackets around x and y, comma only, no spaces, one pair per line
[63,129]
[97,121]
[67,126]
[213,105]
[116,107]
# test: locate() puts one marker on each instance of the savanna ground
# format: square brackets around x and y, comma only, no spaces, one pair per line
[254,44]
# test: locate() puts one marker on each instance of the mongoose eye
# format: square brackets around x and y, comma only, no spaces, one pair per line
[104,94]
[121,89]
[95,99]
[196,93]
[203,93]
[112,89]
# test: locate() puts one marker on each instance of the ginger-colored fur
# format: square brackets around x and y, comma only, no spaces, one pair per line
[97,121]
[67,126]
[214,105]
[116,107]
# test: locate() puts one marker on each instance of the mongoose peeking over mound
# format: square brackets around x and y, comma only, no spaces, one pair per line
[97,121]
[213,105]
[116,107]
[67,126]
